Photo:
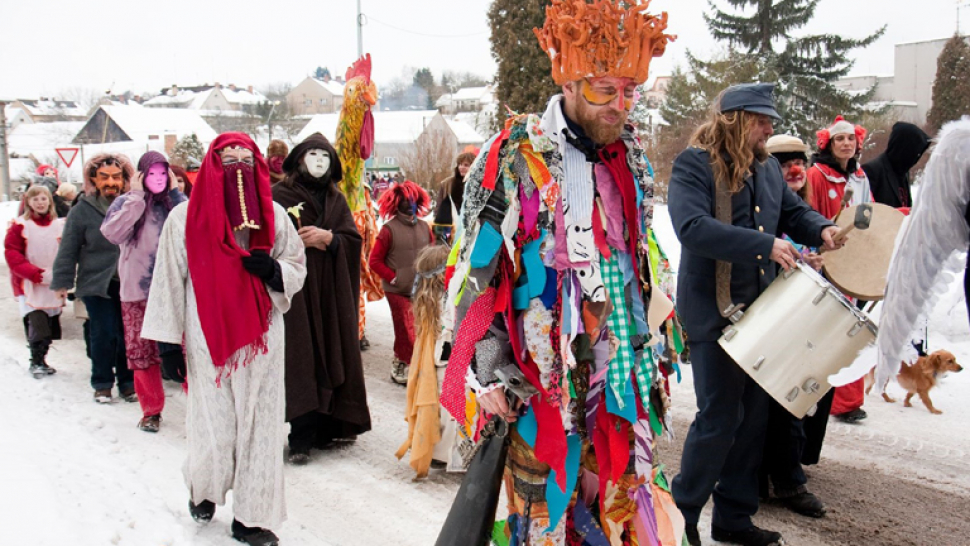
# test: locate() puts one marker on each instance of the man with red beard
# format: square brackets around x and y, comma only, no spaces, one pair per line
[229,262]
[87,260]
[551,279]
[727,170]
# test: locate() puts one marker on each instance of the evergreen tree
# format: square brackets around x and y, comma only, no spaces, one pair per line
[188,150]
[805,68]
[424,79]
[322,73]
[524,78]
[951,90]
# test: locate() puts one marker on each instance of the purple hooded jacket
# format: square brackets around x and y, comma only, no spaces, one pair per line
[138,240]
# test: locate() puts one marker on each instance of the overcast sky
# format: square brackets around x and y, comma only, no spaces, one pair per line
[50,46]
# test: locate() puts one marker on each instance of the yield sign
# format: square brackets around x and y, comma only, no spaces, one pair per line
[67,155]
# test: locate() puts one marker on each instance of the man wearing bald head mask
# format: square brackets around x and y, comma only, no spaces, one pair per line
[88,261]
[228,265]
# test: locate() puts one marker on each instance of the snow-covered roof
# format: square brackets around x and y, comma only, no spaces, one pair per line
[400,127]
[333,86]
[140,123]
[443,100]
[466,133]
[243,96]
[50,107]
[33,138]
[196,100]
[473,93]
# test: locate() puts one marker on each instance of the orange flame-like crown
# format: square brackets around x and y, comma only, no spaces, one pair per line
[602,38]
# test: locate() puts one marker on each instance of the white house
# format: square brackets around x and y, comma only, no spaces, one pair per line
[909,91]
[397,133]
[209,99]
[466,99]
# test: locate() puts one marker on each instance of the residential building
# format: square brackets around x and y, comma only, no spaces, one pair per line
[909,91]
[397,133]
[43,110]
[466,99]
[134,123]
[656,93]
[316,96]
[209,99]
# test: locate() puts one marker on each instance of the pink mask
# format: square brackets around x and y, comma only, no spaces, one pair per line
[156,179]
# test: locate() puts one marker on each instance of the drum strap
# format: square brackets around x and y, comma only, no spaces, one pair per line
[723,211]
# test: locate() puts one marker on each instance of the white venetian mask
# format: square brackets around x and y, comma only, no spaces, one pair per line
[317,162]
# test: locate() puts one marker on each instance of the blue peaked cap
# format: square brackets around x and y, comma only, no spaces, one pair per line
[750,97]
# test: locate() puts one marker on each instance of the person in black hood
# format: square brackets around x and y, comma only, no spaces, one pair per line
[889,173]
[326,398]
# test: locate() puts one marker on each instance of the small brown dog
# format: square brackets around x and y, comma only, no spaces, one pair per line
[921,377]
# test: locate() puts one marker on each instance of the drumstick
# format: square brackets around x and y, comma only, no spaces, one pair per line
[863,217]
[846,197]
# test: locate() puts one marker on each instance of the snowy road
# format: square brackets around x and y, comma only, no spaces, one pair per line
[74,472]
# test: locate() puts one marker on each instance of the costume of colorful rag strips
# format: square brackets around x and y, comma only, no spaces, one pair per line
[563,292]
[561,266]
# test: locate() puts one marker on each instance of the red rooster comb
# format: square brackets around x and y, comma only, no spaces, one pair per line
[360,68]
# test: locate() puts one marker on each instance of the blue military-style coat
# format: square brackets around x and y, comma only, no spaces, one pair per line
[763,210]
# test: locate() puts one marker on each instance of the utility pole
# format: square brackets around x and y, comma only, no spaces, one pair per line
[4,157]
[360,32]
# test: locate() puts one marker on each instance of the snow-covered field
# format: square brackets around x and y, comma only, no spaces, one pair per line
[75,472]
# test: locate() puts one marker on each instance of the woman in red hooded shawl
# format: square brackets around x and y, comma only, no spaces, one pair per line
[228,265]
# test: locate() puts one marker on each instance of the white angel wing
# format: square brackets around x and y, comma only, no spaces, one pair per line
[931,251]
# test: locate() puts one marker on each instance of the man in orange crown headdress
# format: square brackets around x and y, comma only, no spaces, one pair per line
[560,290]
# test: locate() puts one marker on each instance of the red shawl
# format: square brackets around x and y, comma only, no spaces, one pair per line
[234,306]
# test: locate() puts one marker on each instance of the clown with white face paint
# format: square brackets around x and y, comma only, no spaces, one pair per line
[134,223]
[326,401]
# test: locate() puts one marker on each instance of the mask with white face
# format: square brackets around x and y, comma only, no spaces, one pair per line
[317,162]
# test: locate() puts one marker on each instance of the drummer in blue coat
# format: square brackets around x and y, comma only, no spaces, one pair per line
[723,448]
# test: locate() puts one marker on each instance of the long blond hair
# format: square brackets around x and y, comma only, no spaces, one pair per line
[430,287]
[726,134]
[32,191]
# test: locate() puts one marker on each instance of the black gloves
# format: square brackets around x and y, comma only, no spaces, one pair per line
[173,363]
[260,264]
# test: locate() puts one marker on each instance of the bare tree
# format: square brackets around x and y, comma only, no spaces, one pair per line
[430,160]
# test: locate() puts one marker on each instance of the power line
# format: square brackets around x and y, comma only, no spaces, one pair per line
[427,35]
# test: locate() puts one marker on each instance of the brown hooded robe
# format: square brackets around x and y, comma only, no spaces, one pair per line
[324,372]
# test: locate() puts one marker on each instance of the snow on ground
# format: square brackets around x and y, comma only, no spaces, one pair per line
[72,471]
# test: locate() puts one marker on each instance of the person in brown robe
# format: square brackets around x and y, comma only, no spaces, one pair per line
[326,401]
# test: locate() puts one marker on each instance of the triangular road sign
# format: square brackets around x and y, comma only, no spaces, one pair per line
[67,155]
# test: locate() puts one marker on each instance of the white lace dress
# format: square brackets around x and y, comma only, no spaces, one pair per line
[236,431]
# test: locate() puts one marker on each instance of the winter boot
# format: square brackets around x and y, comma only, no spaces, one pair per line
[129,395]
[693,536]
[102,396]
[202,512]
[752,536]
[44,347]
[399,372]
[299,456]
[37,365]
[150,423]
[801,501]
[254,536]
